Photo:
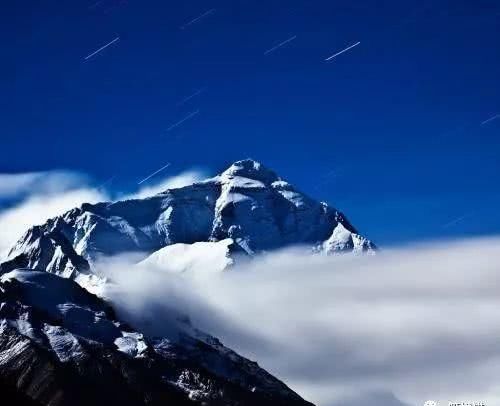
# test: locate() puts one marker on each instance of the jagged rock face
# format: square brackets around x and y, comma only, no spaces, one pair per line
[247,203]
[60,345]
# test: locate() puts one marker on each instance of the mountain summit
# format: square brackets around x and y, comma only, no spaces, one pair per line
[248,205]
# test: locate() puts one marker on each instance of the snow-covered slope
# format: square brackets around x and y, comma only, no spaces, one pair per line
[60,345]
[247,203]
[199,258]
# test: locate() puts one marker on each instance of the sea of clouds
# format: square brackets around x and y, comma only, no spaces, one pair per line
[402,327]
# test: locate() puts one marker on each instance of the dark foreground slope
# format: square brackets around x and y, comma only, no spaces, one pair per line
[10,395]
[60,345]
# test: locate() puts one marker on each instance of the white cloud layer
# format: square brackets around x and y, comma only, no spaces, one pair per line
[412,324]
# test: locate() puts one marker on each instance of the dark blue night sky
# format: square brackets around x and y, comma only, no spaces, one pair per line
[389,132]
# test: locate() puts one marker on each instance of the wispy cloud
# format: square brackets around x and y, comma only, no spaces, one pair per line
[37,197]
[19,185]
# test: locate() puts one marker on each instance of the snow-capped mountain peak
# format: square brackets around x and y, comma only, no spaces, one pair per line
[249,169]
[247,203]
